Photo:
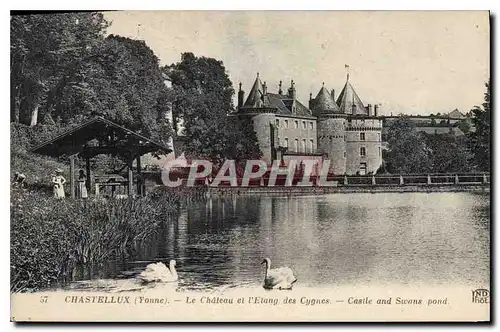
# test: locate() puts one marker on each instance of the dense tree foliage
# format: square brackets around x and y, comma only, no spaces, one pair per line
[448,153]
[47,53]
[65,70]
[408,151]
[480,138]
[203,99]
[411,151]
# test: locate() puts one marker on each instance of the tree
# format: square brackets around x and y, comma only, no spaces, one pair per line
[46,51]
[203,100]
[408,151]
[449,153]
[464,126]
[481,136]
[126,86]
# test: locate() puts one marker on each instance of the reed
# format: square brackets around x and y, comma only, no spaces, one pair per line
[50,237]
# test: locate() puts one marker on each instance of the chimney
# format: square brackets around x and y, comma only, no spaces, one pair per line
[291,92]
[333,94]
[264,88]
[376,110]
[370,110]
[280,90]
[241,97]
[311,101]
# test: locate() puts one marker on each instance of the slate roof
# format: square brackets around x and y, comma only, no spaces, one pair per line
[347,98]
[283,104]
[324,103]
[255,97]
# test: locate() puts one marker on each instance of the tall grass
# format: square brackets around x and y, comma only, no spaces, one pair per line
[50,237]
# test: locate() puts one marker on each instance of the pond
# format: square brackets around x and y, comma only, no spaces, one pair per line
[328,240]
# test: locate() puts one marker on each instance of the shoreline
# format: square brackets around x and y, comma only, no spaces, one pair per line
[222,191]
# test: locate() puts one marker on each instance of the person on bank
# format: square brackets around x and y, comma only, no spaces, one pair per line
[82,188]
[58,181]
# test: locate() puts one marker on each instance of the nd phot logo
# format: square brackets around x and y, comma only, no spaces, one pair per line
[480,296]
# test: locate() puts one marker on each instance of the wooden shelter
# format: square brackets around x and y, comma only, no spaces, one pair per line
[100,136]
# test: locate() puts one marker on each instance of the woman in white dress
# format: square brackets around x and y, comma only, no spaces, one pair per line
[58,181]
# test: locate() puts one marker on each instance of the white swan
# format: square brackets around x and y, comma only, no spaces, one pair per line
[158,272]
[279,278]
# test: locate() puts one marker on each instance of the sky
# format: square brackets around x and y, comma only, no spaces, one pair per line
[408,62]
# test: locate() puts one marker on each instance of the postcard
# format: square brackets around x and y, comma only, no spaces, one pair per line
[250,166]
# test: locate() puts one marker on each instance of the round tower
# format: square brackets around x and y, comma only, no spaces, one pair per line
[331,124]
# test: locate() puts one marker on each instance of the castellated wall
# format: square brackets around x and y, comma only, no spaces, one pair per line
[331,140]
[371,142]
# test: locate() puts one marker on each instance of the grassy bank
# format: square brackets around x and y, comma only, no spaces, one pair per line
[50,237]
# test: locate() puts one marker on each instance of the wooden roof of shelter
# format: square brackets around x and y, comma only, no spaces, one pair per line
[100,136]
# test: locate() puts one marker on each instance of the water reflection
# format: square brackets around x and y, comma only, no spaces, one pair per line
[342,239]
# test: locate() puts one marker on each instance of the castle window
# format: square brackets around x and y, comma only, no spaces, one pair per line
[277,123]
[304,145]
[311,142]
[345,154]
[296,145]
[286,143]
[362,151]
[349,121]
[304,125]
[286,123]
[361,136]
[379,151]
[278,141]
[378,137]
[296,124]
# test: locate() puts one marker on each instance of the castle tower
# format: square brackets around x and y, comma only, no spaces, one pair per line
[363,133]
[256,111]
[331,124]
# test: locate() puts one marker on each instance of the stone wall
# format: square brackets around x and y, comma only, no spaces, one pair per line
[301,129]
[371,128]
[332,141]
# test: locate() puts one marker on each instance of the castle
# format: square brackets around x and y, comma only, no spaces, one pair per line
[343,131]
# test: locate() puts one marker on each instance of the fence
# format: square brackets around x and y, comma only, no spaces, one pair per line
[441,179]
[416,179]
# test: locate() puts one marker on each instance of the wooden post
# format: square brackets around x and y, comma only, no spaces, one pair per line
[373,180]
[485,179]
[88,183]
[345,180]
[130,188]
[401,181]
[429,179]
[72,175]
[139,176]
[456,179]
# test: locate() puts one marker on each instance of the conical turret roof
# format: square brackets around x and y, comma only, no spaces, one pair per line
[256,96]
[324,103]
[347,98]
